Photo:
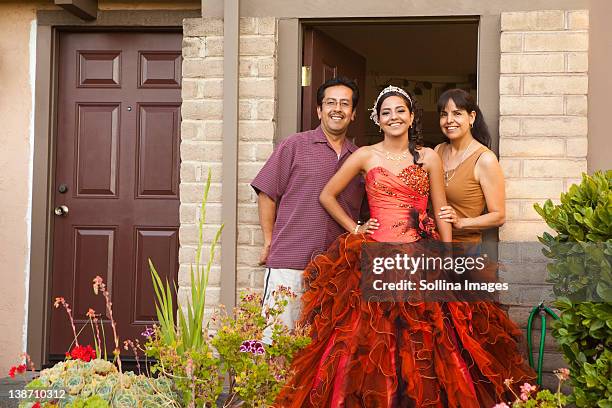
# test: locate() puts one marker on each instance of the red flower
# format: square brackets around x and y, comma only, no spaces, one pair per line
[37,405]
[85,353]
[20,369]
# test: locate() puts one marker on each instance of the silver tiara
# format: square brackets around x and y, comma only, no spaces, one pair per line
[390,88]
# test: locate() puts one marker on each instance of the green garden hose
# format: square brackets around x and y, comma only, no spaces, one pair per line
[543,310]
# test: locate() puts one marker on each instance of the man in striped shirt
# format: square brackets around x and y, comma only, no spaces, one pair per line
[295,226]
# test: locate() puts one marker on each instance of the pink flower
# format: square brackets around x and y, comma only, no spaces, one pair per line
[501,405]
[527,388]
[563,374]
[98,283]
[91,313]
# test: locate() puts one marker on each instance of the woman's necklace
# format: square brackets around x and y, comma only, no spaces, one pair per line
[399,157]
[449,174]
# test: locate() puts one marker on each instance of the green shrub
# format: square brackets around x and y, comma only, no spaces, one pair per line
[581,274]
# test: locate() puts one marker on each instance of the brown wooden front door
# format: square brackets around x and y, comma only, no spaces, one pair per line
[329,58]
[117,172]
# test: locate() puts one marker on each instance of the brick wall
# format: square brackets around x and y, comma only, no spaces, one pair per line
[202,138]
[543,140]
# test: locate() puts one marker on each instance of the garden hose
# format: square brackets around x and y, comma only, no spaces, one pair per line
[543,310]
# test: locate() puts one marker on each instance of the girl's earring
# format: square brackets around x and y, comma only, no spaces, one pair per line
[471,125]
[379,129]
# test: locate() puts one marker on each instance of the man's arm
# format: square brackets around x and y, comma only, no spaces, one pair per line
[267,216]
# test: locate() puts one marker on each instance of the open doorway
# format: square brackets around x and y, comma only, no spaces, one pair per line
[425,56]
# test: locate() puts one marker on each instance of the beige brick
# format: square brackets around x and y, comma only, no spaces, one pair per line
[204,109]
[555,126]
[247,170]
[576,105]
[257,45]
[189,89]
[266,109]
[244,235]
[258,278]
[248,25]
[201,151]
[531,147]
[244,276]
[531,63]
[533,20]
[246,194]
[517,231]
[577,147]
[213,130]
[562,41]
[510,167]
[541,189]
[193,68]
[193,47]
[554,168]
[531,105]
[511,42]
[509,85]
[256,88]
[245,110]
[247,67]
[528,212]
[214,46]
[191,129]
[262,151]
[248,255]
[187,212]
[199,27]
[213,68]
[513,210]
[256,130]
[266,25]
[188,233]
[258,237]
[509,126]
[555,85]
[188,172]
[577,62]
[216,172]
[212,88]
[578,19]
[266,67]
[194,192]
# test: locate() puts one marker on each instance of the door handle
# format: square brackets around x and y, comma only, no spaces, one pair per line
[61,210]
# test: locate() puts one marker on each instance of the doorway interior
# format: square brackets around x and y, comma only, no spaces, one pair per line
[425,56]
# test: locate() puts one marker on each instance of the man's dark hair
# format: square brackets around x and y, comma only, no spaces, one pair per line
[335,82]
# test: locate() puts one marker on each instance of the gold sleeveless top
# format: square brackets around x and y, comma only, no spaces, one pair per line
[464,194]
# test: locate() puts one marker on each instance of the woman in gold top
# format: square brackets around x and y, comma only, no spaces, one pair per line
[472,175]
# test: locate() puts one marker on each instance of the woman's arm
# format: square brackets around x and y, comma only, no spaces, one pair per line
[433,165]
[353,165]
[489,174]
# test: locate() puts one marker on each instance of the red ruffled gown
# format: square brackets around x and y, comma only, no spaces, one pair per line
[366,354]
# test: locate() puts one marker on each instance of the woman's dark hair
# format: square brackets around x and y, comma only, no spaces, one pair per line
[352,85]
[415,137]
[463,100]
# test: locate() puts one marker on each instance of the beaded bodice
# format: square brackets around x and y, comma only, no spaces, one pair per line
[399,203]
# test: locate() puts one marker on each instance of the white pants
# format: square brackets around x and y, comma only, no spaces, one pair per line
[291,278]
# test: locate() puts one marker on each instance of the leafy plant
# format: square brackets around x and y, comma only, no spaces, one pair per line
[197,362]
[581,273]
[531,397]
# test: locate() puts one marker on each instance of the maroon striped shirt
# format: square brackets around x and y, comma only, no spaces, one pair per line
[294,177]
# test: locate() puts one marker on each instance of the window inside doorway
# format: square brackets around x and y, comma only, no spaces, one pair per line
[425,56]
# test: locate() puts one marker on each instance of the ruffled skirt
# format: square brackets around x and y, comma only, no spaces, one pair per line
[366,354]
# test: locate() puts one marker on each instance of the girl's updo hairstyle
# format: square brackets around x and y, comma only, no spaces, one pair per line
[415,137]
[463,100]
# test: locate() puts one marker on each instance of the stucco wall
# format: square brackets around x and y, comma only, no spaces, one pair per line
[15,138]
